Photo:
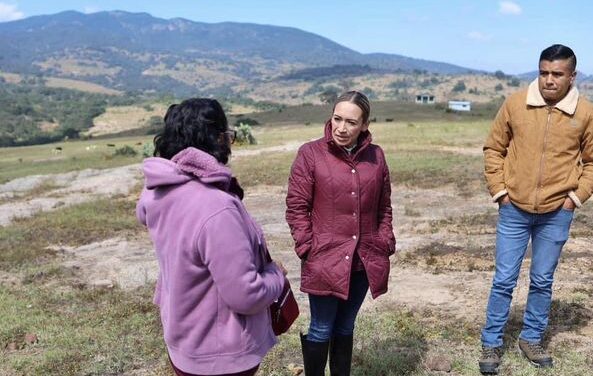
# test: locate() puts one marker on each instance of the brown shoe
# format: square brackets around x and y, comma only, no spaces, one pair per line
[536,354]
[490,360]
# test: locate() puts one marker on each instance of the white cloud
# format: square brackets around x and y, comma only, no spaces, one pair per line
[476,35]
[509,7]
[91,9]
[9,12]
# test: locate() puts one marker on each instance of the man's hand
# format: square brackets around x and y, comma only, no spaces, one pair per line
[504,200]
[568,204]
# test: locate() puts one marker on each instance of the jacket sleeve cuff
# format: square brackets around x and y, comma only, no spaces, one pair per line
[499,195]
[573,196]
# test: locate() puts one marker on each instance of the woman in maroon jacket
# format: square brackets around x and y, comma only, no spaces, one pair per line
[339,213]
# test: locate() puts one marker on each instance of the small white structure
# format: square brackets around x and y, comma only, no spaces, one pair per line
[425,99]
[460,105]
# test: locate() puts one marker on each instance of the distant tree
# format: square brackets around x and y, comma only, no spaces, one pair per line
[370,93]
[500,75]
[459,87]
[514,82]
[498,87]
[328,96]
[425,83]
[400,84]
[345,84]
[71,133]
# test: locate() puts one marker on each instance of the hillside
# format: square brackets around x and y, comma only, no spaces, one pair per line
[68,74]
[135,51]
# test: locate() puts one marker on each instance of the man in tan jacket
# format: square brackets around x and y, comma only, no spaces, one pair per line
[538,167]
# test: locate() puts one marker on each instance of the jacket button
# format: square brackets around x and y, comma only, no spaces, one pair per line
[354,214]
[353,171]
[354,237]
[347,257]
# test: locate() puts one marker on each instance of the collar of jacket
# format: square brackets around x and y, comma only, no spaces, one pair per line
[364,139]
[568,104]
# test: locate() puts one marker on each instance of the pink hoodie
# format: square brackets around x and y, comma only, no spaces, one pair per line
[214,287]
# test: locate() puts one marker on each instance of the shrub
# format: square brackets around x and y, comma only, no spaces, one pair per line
[147,149]
[249,121]
[244,135]
[459,87]
[328,96]
[514,82]
[125,151]
[498,87]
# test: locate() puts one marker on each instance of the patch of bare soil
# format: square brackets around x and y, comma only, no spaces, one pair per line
[70,188]
[114,262]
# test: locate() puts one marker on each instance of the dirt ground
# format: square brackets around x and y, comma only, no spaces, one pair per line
[444,239]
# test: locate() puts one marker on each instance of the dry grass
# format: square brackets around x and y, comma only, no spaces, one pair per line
[124,118]
[104,332]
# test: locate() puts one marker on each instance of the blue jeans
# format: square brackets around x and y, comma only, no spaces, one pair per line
[332,316]
[548,233]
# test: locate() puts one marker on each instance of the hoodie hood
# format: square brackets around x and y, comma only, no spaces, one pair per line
[188,164]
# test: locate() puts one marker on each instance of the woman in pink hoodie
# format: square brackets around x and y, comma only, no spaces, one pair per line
[214,286]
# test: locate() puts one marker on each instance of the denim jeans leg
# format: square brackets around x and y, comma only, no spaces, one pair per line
[512,237]
[323,314]
[549,236]
[348,309]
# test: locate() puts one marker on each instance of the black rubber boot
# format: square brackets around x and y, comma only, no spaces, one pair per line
[340,355]
[314,356]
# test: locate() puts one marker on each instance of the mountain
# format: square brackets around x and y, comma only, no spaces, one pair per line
[135,51]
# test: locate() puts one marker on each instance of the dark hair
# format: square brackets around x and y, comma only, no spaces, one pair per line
[559,52]
[195,122]
[358,99]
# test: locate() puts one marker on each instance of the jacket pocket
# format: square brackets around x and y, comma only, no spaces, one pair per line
[380,245]
[320,244]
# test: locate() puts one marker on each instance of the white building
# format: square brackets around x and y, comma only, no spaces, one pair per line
[425,99]
[460,105]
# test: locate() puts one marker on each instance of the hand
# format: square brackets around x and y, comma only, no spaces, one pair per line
[504,200]
[281,267]
[568,204]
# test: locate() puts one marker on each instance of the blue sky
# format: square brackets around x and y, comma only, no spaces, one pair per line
[486,34]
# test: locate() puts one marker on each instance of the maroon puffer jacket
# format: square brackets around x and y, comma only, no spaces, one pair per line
[339,204]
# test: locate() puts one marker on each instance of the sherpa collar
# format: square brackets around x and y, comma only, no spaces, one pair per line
[568,104]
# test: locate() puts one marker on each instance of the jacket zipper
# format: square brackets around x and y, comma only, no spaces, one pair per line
[542,160]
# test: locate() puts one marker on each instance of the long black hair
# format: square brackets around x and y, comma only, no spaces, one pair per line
[195,122]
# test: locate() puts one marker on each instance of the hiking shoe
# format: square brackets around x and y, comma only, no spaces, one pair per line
[490,360]
[536,354]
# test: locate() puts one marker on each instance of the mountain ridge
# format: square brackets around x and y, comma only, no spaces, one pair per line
[138,42]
